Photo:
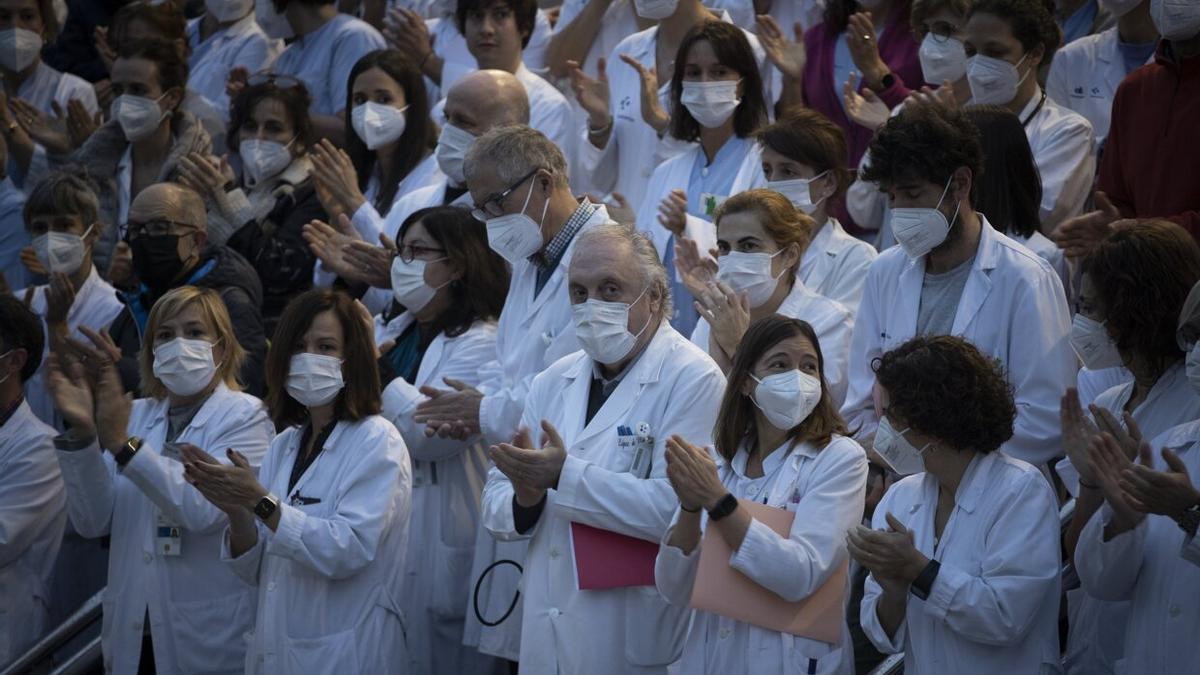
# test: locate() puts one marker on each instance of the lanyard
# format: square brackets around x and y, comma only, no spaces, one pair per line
[1041,102]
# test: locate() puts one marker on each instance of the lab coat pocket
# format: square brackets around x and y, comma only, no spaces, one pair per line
[209,633]
[335,653]
[451,576]
[654,629]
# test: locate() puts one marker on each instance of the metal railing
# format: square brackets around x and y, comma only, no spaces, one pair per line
[44,655]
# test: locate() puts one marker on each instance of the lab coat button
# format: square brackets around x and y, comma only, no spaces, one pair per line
[146,557]
[1174,611]
[553,553]
[271,586]
[724,633]
[554,613]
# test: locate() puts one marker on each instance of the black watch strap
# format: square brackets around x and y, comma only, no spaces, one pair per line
[727,505]
[887,81]
[923,584]
[127,451]
[1189,521]
[266,507]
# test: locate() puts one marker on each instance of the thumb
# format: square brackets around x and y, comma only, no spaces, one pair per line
[620,200]
[344,224]
[1146,455]
[1173,462]
[457,385]
[58,111]
[601,74]
[387,242]
[431,392]
[798,29]
[869,95]
[552,437]
[521,439]
[1103,204]
[895,523]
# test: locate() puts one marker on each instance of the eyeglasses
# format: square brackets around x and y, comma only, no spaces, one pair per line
[491,207]
[278,80]
[942,31]
[409,253]
[159,227]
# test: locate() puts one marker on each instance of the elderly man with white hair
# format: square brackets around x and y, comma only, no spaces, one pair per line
[602,417]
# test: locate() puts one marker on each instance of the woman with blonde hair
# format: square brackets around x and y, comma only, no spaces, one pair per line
[170,600]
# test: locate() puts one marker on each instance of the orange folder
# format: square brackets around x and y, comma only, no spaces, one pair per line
[720,589]
[605,559]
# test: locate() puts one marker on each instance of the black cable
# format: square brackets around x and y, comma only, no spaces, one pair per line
[479,584]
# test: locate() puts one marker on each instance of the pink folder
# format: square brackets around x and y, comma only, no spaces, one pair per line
[605,559]
[720,589]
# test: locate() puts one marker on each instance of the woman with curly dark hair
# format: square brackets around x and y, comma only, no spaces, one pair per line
[963,555]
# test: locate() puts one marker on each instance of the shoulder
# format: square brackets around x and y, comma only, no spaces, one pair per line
[31,426]
[375,434]
[1022,265]
[843,451]
[564,367]
[636,41]
[1017,478]
[1082,51]
[888,264]
[239,405]
[1061,122]
[352,27]
[1109,398]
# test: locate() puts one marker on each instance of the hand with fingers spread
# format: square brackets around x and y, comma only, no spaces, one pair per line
[1080,235]
[620,210]
[1167,493]
[532,471]
[652,110]
[860,38]
[373,264]
[81,124]
[864,108]
[1129,437]
[1108,465]
[73,399]
[329,245]
[233,488]
[1077,434]
[787,55]
[891,556]
[239,76]
[104,93]
[60,295]
[49,132]
[943,96]
[334,171]
[592,93]
[103,48]
[205,174]
[113,405]
[405,31]
[449,413]
[672,212]
[727,313]
[694,270]
[693,475]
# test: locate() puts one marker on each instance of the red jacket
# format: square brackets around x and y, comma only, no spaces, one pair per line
[1151,164]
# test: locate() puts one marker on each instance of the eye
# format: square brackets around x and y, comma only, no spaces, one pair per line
[383,98]
[722,247]
[359,99]
[162,335]
[748,246]
[196,332]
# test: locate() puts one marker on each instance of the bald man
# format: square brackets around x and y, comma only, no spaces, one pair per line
[168,235]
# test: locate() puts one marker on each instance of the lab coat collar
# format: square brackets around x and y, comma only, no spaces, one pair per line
[1106,47]
[203,415]
[599,216]
[970,488]
[646,368]
[1032,104]
[1179,437]
[646,48]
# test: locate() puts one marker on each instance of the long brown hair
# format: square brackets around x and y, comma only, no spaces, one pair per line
[735,422]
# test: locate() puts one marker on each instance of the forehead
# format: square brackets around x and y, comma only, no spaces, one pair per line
[153,204]
[772,156]
[603,258]
[701,53]
[417,232]
[324,325]
[983,28]
[374,79]
[737,226]
[945,15]
[796,347]
[484,181]
[270,109]
[190,313]
[18,5]
[134,69]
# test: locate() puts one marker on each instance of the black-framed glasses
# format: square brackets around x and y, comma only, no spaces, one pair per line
[278,80]
[409,253]
[158,227]
[491,206]
[942,31]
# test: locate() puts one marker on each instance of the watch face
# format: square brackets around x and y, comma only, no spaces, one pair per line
[265,507]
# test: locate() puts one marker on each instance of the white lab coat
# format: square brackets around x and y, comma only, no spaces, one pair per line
[96,305]
[1052,254]
[1012,308]
[329,577]
[824,487]
[1065,154]
[994,605]
[33,514]
[1084,77]
[43,88]
[367,220]
[240,45]
[323,60]
[634,149]
[671,388]
[198,609]
[835,264]
[448,478]
[833,324]
[1153,570]
[451,47]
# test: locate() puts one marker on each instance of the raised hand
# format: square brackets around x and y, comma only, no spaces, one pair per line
[50,133]
[693,474]
[68,385]
[672,212]
[532,471]
[334,171]
[787,55]
[1077,434]
[329,244]
[1109,464]
[592,93]
[860,38]
[373,264]
[864,109]
[1167,493]
[449,413]
[80,123]
[727,313]
[694,270]
[405,31]
[1080,235]
[60,295]
[652,110]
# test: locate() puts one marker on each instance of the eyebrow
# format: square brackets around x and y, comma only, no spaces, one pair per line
[750,238]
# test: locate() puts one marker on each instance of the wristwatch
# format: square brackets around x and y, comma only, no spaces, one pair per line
[266,507]
[923,584]
[1189,520]
[127,451]
[725,506]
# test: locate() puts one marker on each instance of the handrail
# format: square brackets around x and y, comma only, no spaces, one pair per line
[75,624]
[83,661]
[892,665]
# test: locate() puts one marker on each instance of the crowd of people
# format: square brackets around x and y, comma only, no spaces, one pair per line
[453,336]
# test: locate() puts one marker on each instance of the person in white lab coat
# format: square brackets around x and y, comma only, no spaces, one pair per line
[716,103]
[1085,73]
[169,598]
[780,441]
[604,416]
[761,240]
[225,37]
[954,274]
[62,214]
[803,159]
[449,288]
[964,556]
[33,508]
[1133,288]
[322,530]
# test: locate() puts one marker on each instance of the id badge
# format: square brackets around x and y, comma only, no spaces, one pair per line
[168,538]
[709,203]
[643,444]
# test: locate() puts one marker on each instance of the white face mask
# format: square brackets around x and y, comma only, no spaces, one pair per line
[655,9]
[1119,8]
[1091,342]
[903,457]
[515,236]
[408,283]
[137,115]
[377,124]
[603,329]
[749,273]
[787,399]
[273,22]
[314,379]
[799,192]
[993,81]
[185,367]
[1176,20]
[711,103]
[19,48]
[942,59]
[1192,365]
[262,159]
[225,11]
[919,230]
[61,251]
[452,147]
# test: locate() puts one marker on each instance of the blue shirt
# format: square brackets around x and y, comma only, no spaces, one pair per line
[13,236]
[1079,24]
[323,60]
[843,65]
[1134,55]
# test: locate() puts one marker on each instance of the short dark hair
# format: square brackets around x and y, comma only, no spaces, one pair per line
[732,49]
[1031,21]
[735,421]
[295,100]
[361,395]
[806,136]
[1143,272]
[64,193]
[923,9]
[524,11]
[480,294]
[836,16]
[1010,187]
[943,386]
[172,68]
[20,328]
[925,142]
[166,18]
[420,134]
